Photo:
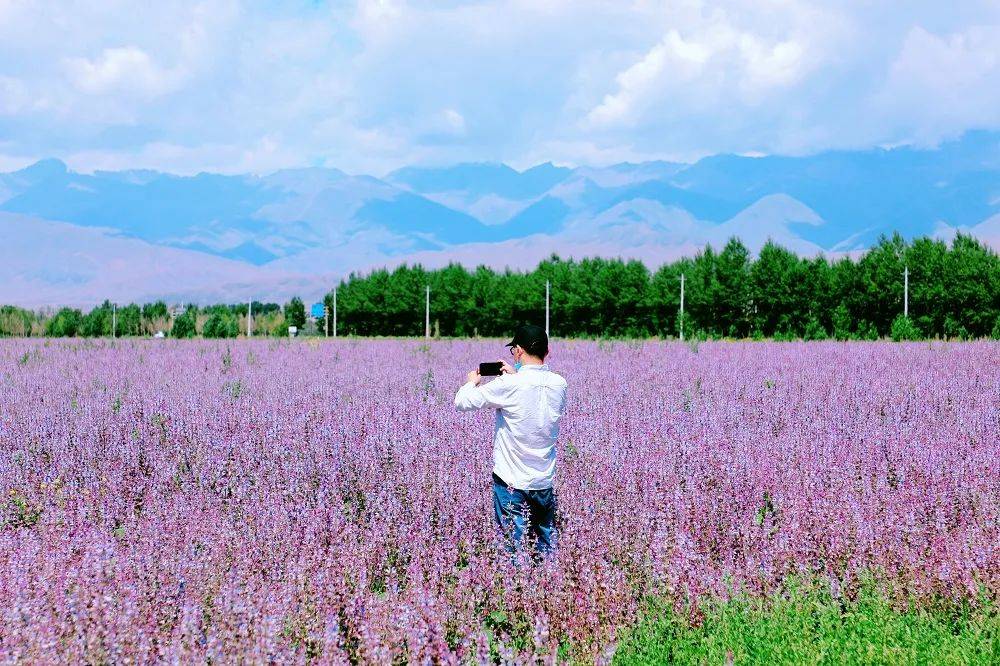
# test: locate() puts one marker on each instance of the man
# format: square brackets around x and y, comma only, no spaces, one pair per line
[529,399]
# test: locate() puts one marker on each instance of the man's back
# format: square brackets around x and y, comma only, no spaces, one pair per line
[529,404]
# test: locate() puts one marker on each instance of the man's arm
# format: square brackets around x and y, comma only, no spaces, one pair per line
[472,396]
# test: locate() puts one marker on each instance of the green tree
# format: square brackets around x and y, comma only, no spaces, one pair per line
[880,273]
[452,300]
[843,328]
[814,330]
[221,324]
[65,323]
[492,308]
[773,290]
[15,321]
[525,297]
[631,317]
[733,292]
[845,298]
[129,320]
[97,322]
[574,296]
[904,329]
[665,296]
[185,323]
[954,292]
[701,294]
[926,259]
[270,323]
[405,296]
[154,317]
[617,294]
[157,310]
[972,288]
[295,313]
[816,297]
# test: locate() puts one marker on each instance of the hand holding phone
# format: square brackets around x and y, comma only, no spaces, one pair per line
[490,369]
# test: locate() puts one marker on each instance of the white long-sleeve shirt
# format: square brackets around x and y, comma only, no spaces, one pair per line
[529,404]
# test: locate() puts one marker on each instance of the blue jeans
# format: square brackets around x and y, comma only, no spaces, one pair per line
[519,510]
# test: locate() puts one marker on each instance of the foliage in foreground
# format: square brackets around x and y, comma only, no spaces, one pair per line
[810,624]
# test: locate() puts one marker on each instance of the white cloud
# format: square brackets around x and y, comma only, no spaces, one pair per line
[940,85]
[715,65]
[453,121]
[379,84]
[127,70]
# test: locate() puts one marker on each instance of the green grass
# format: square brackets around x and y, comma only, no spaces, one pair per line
[806,625]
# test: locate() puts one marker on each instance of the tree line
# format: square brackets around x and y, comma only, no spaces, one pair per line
[954,292]
[186,321]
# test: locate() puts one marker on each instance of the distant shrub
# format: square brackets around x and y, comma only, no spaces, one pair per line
[903,328]
[97,322]
[221,325]
[65,323]
[184,325]
[815,330]
[842,323]
[866,331]
[15,321]
[953,328]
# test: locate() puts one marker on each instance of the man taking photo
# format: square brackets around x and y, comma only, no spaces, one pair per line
[529,400]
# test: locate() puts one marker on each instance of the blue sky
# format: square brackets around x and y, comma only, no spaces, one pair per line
[370,86]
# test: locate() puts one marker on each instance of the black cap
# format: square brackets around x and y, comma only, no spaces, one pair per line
[531,339]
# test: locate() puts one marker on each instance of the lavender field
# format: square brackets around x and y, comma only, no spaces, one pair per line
[286,501]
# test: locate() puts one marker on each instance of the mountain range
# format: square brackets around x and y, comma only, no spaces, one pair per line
[77,238]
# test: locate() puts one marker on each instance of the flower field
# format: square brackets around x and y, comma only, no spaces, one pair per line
[289,501]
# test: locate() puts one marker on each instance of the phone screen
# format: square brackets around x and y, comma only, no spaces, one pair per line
[488,369]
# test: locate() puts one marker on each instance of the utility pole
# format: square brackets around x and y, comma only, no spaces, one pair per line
[906,291]
[546,308]
[250,318]
[427,313]
[682,306]
[335,312]
[326,320]
[114,320]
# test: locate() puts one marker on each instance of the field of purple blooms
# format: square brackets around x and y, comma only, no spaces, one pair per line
[286,500]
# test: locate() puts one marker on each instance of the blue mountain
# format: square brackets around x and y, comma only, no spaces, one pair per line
[865,192]
[301,219]
[480,179]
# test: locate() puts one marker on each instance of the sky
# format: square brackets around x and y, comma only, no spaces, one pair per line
[235,87]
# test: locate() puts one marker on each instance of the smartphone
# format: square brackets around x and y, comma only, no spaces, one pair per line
[490,369]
